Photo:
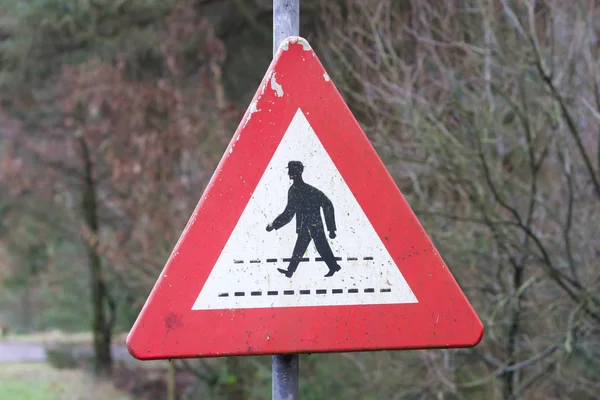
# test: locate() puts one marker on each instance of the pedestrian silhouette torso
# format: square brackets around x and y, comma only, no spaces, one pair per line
[305,203]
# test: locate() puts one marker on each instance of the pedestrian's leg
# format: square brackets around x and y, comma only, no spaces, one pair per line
[324,250]
[299,249]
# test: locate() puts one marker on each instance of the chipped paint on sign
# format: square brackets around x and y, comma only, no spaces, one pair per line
[276,86]
[251,110]
[302,42]
[326,77]
[263,86]
[254,104]
[285,45]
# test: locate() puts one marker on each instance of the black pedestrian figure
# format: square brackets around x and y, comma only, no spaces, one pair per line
[305,202]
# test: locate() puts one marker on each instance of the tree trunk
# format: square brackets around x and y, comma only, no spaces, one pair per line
[511,335]
[102,305]
[172,382]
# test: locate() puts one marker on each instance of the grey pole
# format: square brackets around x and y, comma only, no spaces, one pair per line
[286,22]
[285,377]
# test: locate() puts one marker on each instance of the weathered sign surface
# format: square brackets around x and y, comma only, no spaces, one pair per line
[301,242]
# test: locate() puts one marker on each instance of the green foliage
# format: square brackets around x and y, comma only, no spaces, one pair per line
[38,36]
[39,381]
[46,281]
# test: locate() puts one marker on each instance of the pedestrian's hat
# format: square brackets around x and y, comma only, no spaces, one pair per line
[295,165]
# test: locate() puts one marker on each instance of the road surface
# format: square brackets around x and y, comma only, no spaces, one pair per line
[27,352]
[21,352]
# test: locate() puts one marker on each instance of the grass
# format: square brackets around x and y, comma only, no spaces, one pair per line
[24,391]
[39,381]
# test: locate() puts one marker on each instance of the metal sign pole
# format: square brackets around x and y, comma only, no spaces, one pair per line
[285,377]
[286,22]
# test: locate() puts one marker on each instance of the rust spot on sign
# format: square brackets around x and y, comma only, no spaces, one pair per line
[173,321]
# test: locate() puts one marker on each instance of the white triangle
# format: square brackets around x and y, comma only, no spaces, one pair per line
[245,275]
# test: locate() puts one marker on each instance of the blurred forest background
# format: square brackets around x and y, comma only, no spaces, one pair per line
[114,114]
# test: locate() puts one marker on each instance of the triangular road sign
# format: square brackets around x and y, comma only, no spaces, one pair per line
[302,242]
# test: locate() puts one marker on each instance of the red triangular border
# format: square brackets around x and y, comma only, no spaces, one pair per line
[167,327]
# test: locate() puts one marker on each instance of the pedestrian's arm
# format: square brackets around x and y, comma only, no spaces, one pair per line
[329,214]
[286,216]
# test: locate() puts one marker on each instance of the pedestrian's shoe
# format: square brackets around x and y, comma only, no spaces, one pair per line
[285,272]
[333,271]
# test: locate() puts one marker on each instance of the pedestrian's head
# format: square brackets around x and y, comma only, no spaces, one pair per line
[295,169]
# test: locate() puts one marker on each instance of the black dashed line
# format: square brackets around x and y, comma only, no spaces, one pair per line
[321,259]
[304,292]
[305,259]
